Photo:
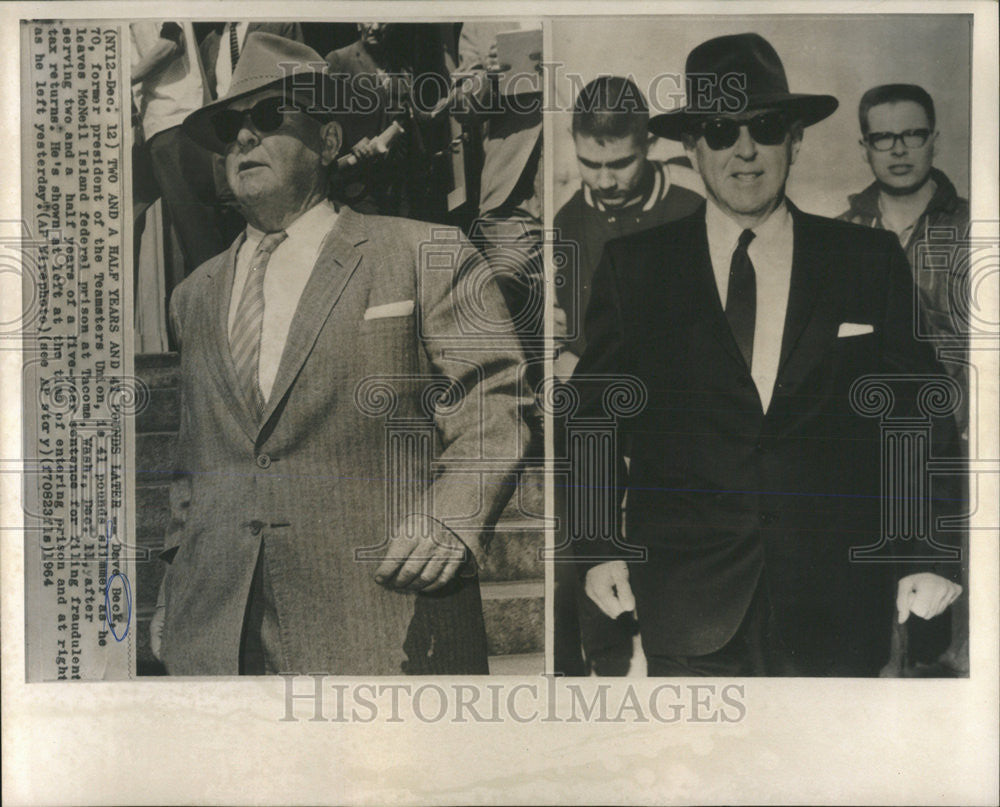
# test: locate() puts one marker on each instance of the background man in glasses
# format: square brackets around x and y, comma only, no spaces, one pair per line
[911,198]
[282,452]
[750,475]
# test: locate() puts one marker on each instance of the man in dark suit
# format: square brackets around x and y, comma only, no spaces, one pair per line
[332,383]
[751,477]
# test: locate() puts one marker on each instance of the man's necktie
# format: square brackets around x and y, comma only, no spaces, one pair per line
[245,340]
[234,45]
[741,299]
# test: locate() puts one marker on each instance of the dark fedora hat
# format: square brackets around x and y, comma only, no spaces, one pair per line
[733,74]
[269,61]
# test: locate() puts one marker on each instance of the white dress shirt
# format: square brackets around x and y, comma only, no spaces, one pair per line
[224,61]
[169,95]
[288,271]
[771,255]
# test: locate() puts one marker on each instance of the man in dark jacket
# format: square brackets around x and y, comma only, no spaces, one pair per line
[622,191]
[920,205]
[752,353]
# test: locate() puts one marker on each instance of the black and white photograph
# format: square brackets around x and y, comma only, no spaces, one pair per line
[354,394]
[441,403]
[758,265]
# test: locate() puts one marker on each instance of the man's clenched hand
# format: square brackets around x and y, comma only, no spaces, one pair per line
[925,594]
[425,562]
[607,585]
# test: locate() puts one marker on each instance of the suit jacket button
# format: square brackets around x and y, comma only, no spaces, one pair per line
[263,461]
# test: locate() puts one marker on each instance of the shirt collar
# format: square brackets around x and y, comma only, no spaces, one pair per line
[722,230]
[866,203]
[307,231]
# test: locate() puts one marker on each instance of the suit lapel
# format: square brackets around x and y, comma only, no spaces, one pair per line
[338,258]
[809,276]
[221,354]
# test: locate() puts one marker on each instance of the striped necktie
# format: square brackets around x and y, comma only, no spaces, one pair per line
[245,340]
[234,45]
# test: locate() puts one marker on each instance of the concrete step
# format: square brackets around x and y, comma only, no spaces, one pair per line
[515,617]
[522,664]
[527,505]
[513,555]
[162,412]
[154,458]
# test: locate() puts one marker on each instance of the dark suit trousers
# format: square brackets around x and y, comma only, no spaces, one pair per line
[755,649]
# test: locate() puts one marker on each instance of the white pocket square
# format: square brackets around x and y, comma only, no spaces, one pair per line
[401,309]
[854,329]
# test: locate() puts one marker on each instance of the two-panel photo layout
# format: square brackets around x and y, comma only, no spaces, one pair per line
[518,347]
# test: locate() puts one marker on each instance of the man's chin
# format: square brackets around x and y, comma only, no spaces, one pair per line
[906,188]
[248,192]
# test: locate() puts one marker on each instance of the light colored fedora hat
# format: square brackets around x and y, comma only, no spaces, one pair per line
[270,61]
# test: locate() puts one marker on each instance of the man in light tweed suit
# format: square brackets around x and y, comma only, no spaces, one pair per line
[303,346]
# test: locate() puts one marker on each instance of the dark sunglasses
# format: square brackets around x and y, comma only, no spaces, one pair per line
[767,129]
[886,141]
[266,116]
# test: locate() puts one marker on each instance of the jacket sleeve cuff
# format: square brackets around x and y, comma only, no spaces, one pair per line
[477,548]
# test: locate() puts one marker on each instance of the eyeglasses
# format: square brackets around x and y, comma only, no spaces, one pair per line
[886,141]
[767,129]
[266,116]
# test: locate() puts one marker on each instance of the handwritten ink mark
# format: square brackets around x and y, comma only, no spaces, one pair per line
[126,588]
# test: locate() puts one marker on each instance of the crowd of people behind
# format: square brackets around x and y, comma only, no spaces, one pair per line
[439,143]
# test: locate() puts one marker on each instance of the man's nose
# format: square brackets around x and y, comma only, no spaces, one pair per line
[899,147]
[746,146]
[605,179]
[248,137]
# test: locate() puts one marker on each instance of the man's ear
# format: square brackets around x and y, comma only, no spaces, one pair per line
[332,138]
[866,156]
[796,131]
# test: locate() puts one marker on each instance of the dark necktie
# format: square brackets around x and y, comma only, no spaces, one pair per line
[741,299]
[234,45]
[245,339]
